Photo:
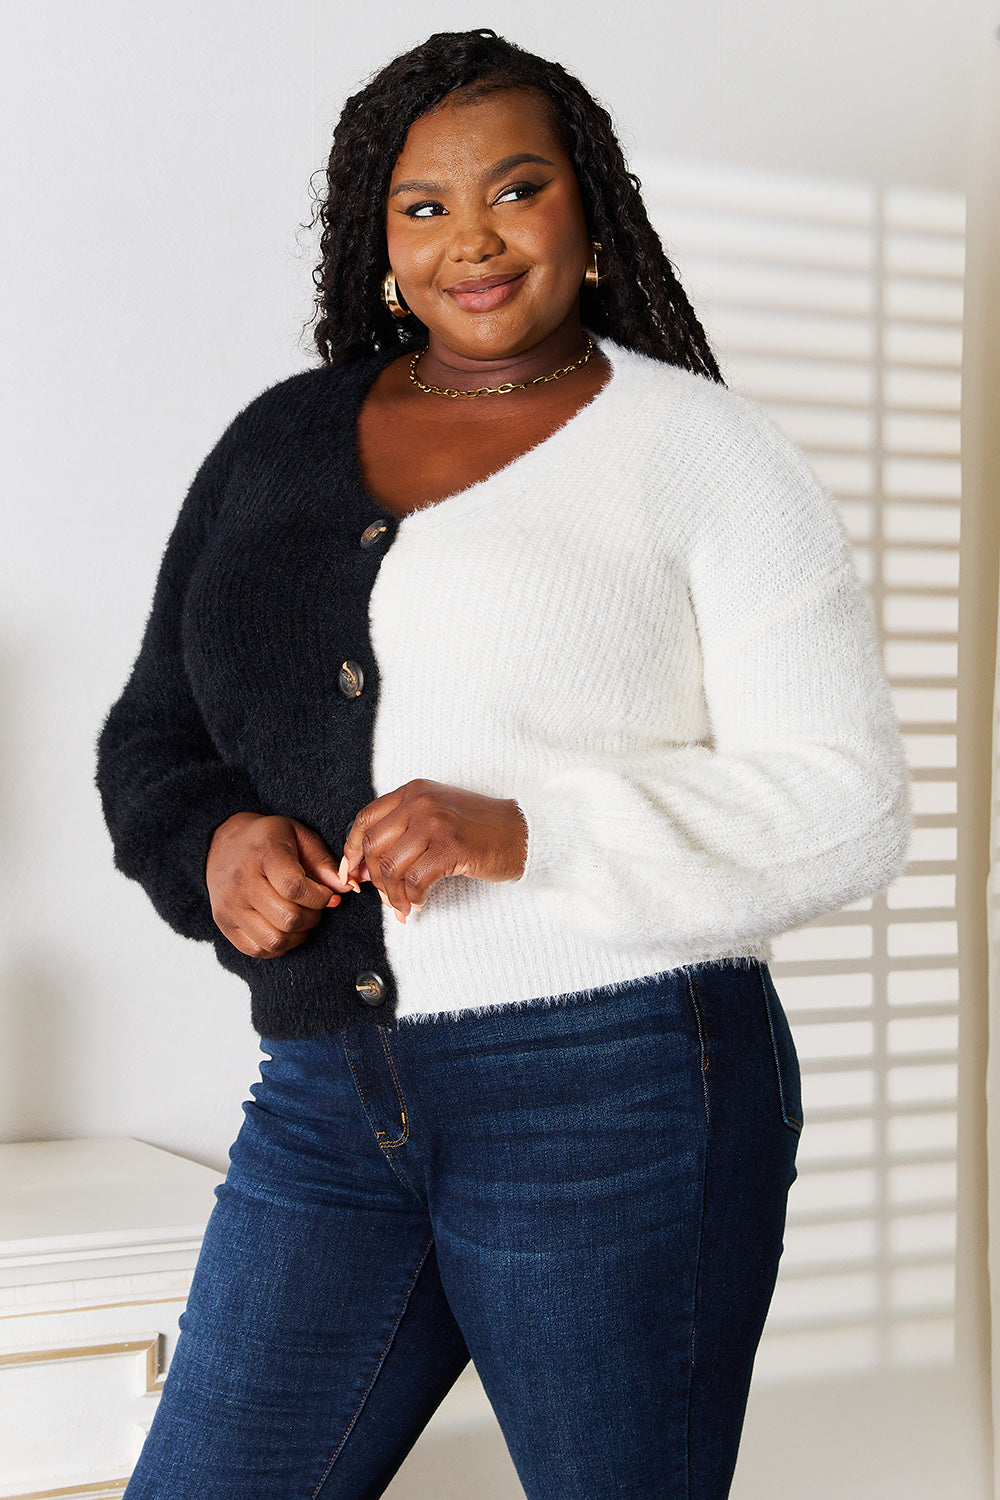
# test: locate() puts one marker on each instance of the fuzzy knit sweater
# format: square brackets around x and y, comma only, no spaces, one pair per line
[648,630]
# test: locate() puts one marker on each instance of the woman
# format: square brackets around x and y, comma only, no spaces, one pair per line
[561,643]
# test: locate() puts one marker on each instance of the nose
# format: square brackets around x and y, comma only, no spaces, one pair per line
[474,238]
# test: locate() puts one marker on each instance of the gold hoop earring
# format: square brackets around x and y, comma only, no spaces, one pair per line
[592,276]
[391,297]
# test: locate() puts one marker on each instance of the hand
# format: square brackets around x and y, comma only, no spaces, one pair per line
[405,841]
[269,879]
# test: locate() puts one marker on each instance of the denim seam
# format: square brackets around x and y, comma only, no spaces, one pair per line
[702,1036]
[790,1120]
[401,1141]
[703,1049]
[375,1374]
[377,1134]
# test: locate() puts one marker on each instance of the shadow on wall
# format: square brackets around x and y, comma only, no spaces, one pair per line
[839,307]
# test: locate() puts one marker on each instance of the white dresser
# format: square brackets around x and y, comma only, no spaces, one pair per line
[98,1240]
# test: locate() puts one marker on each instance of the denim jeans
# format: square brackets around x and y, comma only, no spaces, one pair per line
[585,1194]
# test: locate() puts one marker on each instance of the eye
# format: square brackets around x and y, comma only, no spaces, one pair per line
[520,191]
[423,210]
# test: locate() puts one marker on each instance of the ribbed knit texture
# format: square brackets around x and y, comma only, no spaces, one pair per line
[648,630]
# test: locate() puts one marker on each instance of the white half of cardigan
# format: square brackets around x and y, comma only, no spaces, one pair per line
[650,632]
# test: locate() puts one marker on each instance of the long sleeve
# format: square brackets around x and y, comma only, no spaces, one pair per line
[163,784]
[799,802]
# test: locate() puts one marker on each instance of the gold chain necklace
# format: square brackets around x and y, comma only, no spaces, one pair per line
[499,390]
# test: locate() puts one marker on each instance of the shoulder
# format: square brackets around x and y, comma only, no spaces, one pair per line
[687,408]
[736,472]
[330,391]
[315,405]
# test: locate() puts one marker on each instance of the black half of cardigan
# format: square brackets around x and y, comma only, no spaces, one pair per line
[236,700]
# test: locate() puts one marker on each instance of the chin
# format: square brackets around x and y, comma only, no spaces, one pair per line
[486,338]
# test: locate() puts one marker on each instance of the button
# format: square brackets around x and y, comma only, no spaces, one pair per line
[350,679]
[371,988]
[373,533]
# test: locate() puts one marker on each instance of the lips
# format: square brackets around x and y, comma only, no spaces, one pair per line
[483,293]
[483,283]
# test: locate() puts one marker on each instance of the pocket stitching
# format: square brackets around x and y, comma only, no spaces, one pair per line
[790,1120]
[695,1000]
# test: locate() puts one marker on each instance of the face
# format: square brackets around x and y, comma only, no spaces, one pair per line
[485,228]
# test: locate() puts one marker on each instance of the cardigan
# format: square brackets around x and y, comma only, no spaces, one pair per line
[648,630]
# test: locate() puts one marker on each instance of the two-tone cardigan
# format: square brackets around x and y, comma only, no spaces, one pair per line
[648,629]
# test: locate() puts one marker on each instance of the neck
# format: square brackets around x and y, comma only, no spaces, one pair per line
[443,366]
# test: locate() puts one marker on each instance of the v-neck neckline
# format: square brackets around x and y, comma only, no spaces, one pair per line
[460,499]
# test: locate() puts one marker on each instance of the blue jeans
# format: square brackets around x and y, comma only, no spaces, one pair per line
[586,1195]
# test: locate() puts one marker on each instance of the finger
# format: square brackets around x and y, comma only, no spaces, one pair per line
[287,916]
[381,834]
[289,880]
[364,821]
[238,938]
[396,845]
[381,837]
[264,940]
[419,878]
[316,859]
[406,869]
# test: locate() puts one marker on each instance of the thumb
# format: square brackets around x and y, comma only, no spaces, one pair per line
[316,859]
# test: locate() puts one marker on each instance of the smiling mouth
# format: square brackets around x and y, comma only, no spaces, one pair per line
[482,293]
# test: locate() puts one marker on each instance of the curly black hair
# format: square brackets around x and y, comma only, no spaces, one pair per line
[639,303]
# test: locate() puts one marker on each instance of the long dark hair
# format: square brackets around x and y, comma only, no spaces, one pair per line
[639,303]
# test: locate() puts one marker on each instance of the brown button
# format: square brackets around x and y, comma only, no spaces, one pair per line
[350,679]
[373,533]
[371,988]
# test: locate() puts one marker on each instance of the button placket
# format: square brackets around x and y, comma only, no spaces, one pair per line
[369,986]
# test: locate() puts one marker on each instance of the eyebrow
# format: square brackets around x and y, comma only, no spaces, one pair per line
[420,185]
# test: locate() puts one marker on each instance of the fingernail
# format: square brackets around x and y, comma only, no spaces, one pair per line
[417,908]
[383,897]
[353,884]
[344,867]
[400,917]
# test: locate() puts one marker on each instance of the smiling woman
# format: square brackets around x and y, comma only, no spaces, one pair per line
[561,643]
[482,185]
[508,213]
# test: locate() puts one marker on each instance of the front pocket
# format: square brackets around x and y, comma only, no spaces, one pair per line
[786,1060]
